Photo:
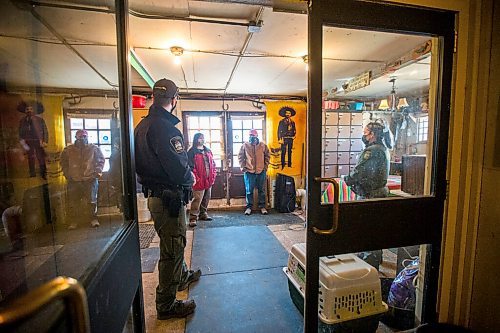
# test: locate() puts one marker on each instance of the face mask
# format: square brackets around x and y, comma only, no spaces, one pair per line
[201,142]
[365,140]
[254,140]
[83,141]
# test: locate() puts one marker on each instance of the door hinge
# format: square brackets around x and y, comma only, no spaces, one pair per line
[455,43]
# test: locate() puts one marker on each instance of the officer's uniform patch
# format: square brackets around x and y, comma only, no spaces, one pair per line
[177,144]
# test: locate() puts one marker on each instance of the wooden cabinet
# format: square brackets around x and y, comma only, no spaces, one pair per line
[413,174]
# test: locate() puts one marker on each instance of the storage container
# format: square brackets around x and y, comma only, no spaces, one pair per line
[350,297]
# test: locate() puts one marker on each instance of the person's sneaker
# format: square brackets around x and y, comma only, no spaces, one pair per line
[72,226]
[205,217]
[192,223]
[94,223]
[193,276]
[248,211]
[180,309]
[263,211]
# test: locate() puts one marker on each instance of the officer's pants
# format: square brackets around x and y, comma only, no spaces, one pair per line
[171,267]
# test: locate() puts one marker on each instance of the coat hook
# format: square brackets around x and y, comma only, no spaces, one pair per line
[225,106]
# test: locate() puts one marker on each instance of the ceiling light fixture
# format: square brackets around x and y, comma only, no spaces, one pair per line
[305,59]
[177,51]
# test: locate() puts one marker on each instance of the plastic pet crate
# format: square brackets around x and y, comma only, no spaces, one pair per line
[350,298]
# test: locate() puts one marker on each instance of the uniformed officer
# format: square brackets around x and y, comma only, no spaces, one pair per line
[162,169]
[369,177]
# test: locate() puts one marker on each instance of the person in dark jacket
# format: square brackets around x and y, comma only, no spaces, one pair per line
[369,177]
[286,134]
[163,171]
[201,161]
[33,135]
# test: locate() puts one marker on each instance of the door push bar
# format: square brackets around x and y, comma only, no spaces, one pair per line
[67,289]
[336,192]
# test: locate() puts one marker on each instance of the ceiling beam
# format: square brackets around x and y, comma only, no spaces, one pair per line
[136,63]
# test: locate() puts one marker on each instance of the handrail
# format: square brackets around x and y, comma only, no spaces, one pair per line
[335,217]
[60,288]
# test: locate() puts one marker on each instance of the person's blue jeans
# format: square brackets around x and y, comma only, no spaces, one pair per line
[253,181]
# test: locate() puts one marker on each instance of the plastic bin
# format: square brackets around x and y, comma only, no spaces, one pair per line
[350,298]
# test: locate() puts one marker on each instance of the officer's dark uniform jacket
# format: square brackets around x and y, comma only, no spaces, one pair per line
[369,177]
[161,160]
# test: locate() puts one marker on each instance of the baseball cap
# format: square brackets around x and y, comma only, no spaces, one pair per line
[81,133]
[167,86]
[253,132]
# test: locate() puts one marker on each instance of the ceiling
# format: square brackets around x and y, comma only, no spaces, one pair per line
[75,49]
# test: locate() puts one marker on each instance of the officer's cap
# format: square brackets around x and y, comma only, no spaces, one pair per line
[166,88]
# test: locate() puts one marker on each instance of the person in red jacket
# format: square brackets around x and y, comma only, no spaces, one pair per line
[202,164]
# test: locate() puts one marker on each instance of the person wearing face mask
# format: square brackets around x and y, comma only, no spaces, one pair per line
[202,164]
[254,159]
[163,171]
[82,165]
[368,179]
[33,135]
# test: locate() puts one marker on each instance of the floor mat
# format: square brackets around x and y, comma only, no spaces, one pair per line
[230,218]
[236,249]
[146,234]
[149,258]
[251,301]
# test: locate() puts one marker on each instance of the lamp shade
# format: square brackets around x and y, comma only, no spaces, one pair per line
[402,103]
[384,105]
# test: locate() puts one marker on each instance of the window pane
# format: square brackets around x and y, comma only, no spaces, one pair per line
[237,136]
[106,165]
[105,137]
[90,123]
[204,122]
[216,149]
[106,150]
[76,123]
[257,123]
[237,124]
[191,136]
[247,124]
[218,163]
[215,123]
[73,135]
[215,135]
[259,132]
[236,163]
[193,122]
[93,137]
[236,148]
[104,123]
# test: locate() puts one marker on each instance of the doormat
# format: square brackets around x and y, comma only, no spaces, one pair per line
[149,258]
[146,234]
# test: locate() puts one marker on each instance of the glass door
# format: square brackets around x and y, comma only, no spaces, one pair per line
[379,90]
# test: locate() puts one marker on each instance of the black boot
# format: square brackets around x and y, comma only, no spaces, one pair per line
[180,309]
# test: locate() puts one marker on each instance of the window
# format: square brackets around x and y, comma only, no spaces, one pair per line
[211,128]
[99,130]
[422,129]
[240,127]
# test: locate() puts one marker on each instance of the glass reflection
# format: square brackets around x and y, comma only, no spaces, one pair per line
[378,113]
[61,173]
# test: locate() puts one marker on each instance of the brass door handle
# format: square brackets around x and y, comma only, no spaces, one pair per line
[67,289]
[336,192]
